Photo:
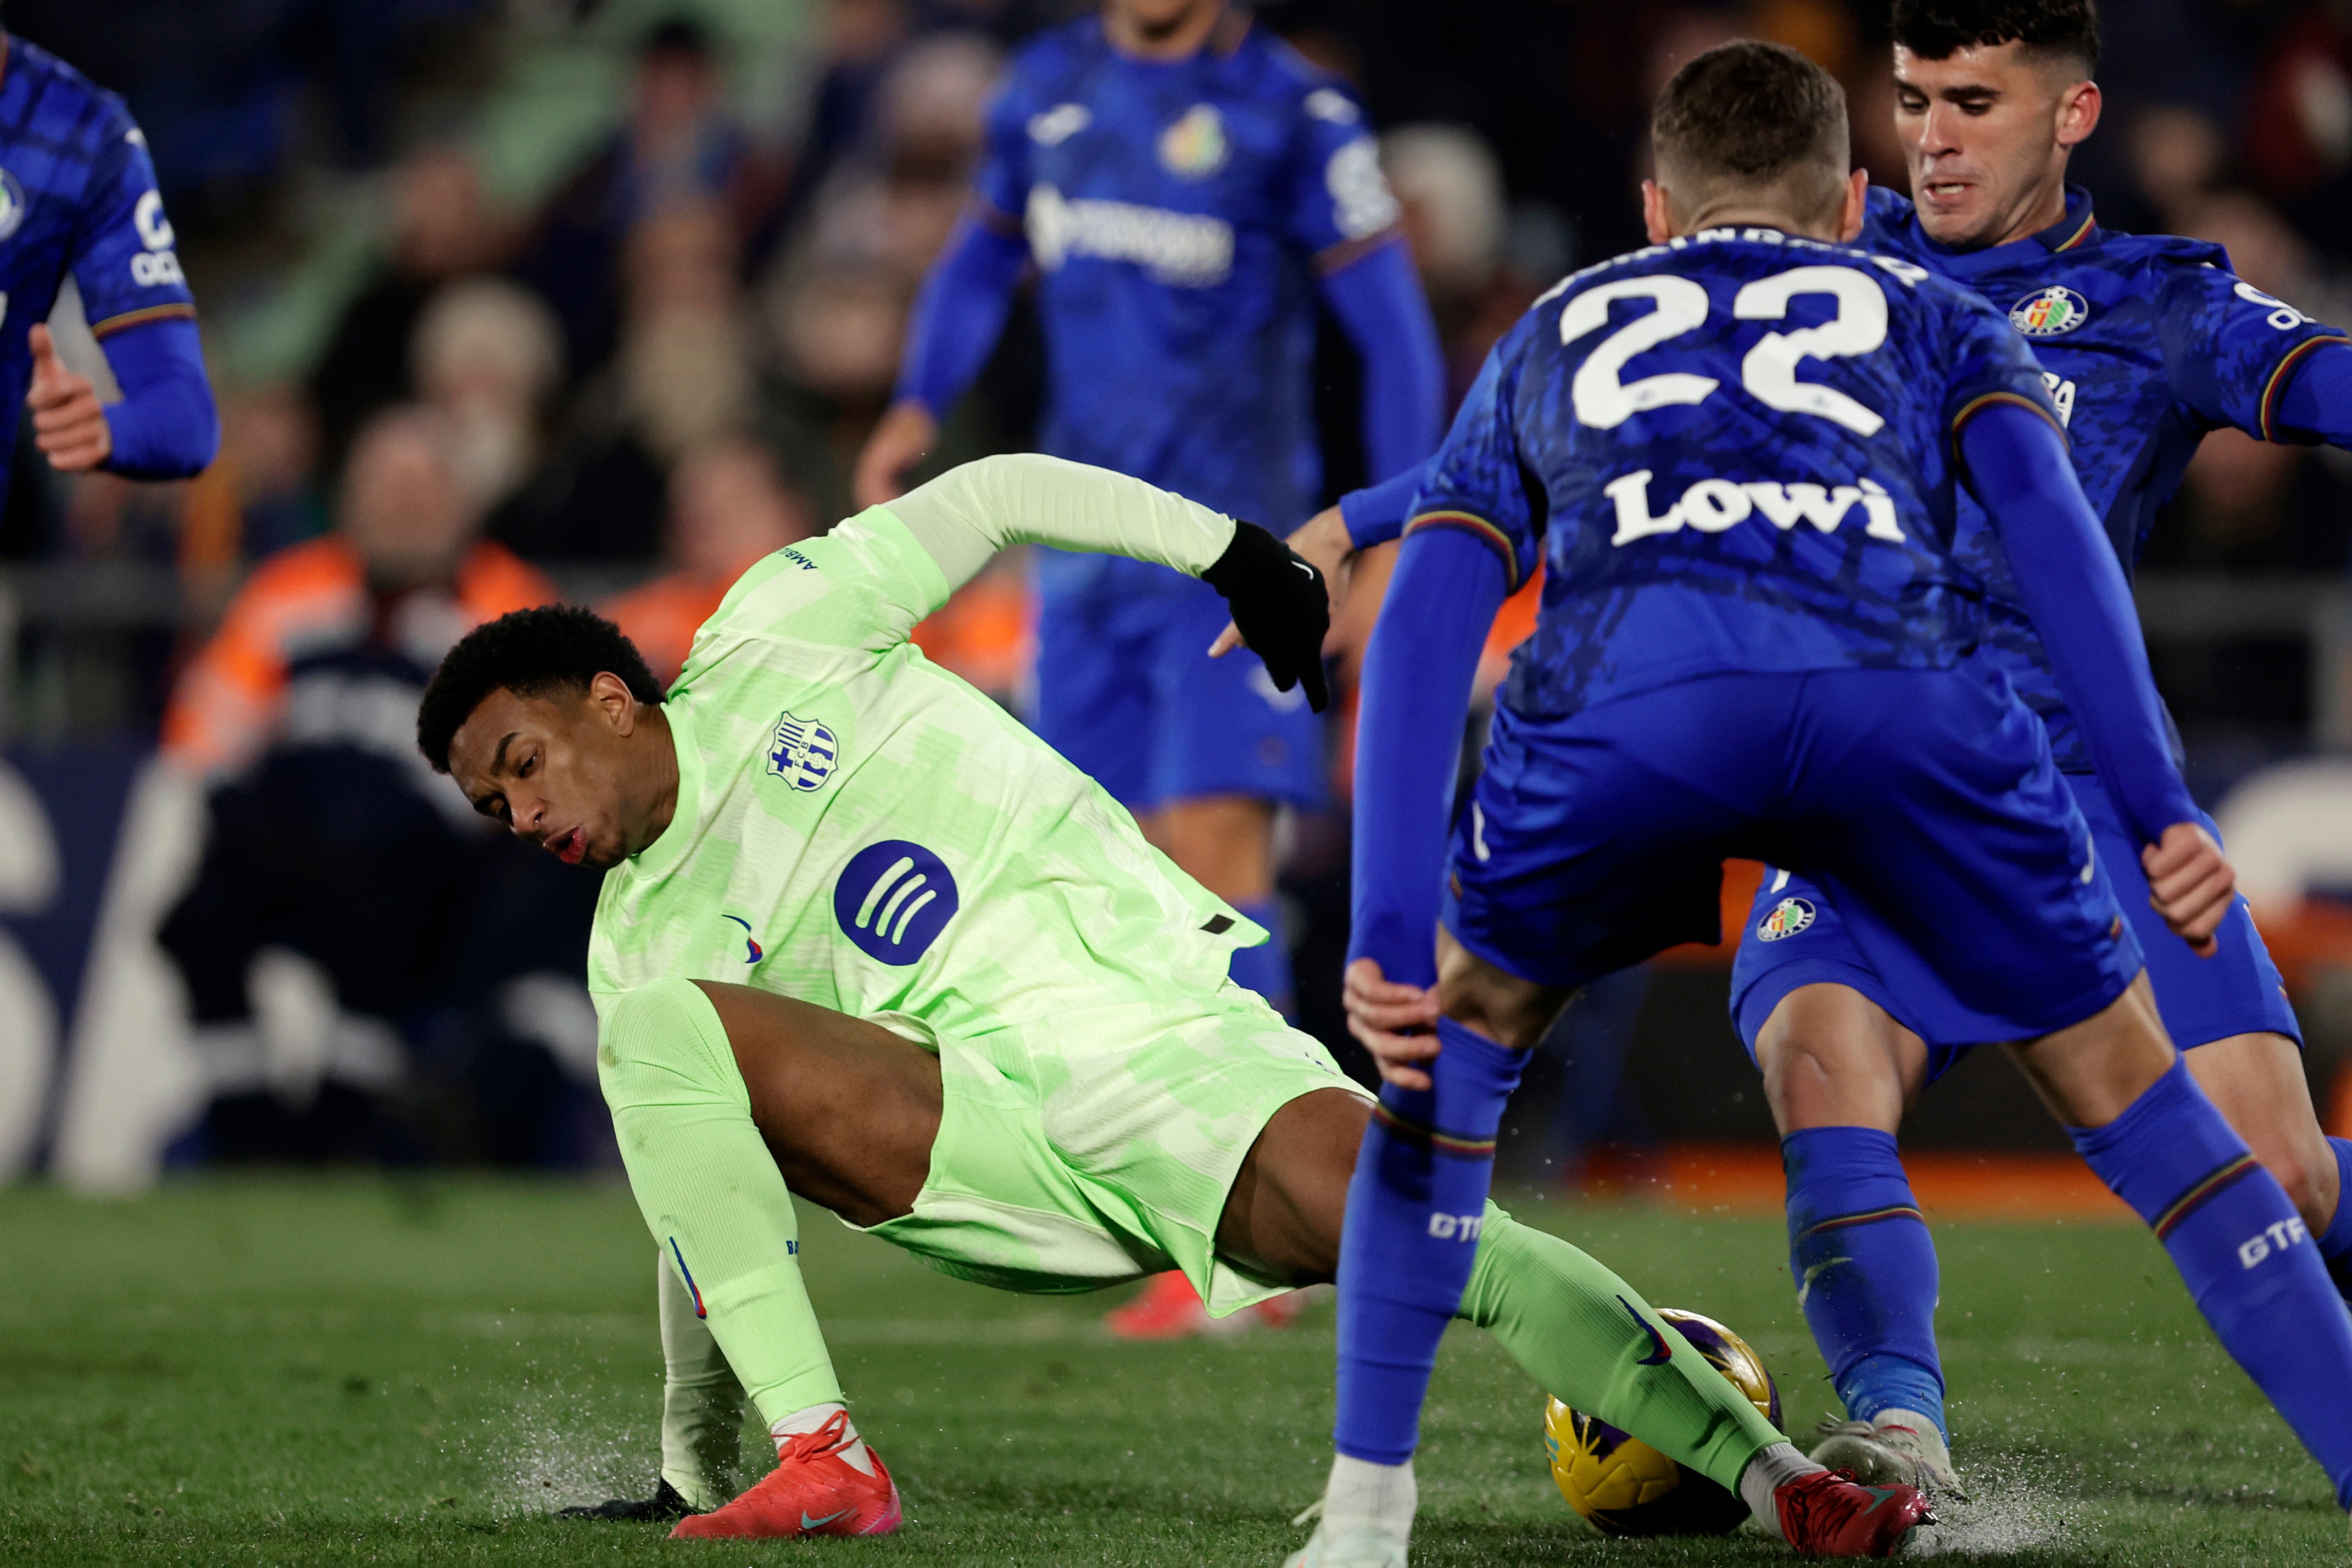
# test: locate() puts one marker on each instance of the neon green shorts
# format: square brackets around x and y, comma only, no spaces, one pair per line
[1095,1159]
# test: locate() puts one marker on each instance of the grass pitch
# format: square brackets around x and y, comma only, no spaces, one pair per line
[348,1371]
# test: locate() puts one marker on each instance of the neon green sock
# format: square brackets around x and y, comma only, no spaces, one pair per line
[1583,1333]
[710,1192]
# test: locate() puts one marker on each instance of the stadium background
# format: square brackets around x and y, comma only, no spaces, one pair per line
[659,255]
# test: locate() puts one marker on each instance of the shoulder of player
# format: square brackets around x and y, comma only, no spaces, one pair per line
[59,90]
[1049,60]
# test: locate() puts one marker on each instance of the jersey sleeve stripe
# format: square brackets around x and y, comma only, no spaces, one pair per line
[1348,252]
[130,318]
[2280,375]
[1471,523]
[1976,405]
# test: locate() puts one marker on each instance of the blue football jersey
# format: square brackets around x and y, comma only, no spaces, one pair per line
[1177,212]
[1734,452]
[77,195]
[2146,342]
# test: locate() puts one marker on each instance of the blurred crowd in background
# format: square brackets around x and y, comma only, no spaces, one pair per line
[507,300]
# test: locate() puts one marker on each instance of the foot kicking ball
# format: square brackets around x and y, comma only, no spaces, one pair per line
[1628,1488]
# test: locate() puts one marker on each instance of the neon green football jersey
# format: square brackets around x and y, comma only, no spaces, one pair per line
[858,829]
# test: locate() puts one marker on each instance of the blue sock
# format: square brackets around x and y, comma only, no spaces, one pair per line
[2246,1256]
[1414,1211]
[2336,1241]
[1864,1269]
[1266,968]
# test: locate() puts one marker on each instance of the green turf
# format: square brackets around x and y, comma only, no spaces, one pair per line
[348,1371]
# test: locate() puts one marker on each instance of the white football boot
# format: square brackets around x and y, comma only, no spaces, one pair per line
[1365,1547]
[1896,1448]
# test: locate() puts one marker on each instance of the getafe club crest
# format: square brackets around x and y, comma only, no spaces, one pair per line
[13,205]
[801,753]
[1789,916]
[2053,310]
[1194,147]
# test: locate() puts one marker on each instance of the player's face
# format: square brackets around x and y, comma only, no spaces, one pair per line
[1155,19]
[560,771]
[1986,132]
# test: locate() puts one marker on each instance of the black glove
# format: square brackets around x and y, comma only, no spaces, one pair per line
[1279,603]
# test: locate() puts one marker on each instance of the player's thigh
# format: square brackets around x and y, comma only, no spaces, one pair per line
[1093,692]
[2257,1082]
[1593,841]
[1220,728]
[1933,798]
[1282,1218]
[849,1110]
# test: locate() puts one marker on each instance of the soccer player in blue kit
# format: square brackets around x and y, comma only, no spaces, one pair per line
[1741,454]
[1186,187]
[78,197]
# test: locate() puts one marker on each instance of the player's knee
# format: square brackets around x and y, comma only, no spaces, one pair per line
[2307,1172]
[660,1030]
[1824,1065]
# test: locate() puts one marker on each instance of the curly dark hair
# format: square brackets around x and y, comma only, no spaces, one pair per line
[530,653]
[2054,29]
[1752,111]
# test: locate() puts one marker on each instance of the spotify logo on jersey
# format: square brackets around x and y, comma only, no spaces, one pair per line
[893,900]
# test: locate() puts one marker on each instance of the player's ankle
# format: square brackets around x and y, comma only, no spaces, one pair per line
[1364,1495]
[1773,1467]
[852,1451]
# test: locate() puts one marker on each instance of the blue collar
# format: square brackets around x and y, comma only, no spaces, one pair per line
[2078,227]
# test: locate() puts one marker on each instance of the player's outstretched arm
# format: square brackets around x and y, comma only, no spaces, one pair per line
[1416,696]
[1278,601]
[166,426]
[956,321]
[2075,591]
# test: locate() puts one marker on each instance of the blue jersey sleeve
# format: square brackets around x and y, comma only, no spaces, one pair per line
[1341,205]
[2232,351]
[1003,185]
[122,258]
[1477,482]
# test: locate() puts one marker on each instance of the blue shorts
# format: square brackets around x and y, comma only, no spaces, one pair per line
[1127,693]
[1594,841]
[2236,991]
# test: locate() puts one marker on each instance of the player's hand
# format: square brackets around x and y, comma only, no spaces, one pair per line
[2189,883]
[1323,543]
[1281,607]
[899,442]
[69,422]
[1381,1011]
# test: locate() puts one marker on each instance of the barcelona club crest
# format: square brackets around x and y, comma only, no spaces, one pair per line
[1789,916]
[2051,312]
[1194,147]
[802,752]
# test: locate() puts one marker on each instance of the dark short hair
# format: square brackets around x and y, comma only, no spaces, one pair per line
[2053,30]
[533,654]
[1752,113]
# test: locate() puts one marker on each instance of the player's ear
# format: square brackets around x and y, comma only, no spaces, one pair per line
[1856,206]
[1655,217]
[613,698]
[2078,113]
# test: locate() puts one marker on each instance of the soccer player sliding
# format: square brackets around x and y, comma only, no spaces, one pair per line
[864,937]
[1749,459]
